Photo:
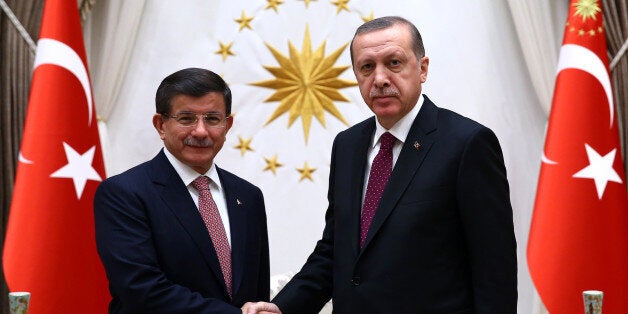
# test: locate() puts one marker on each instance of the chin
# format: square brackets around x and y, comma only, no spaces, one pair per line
[199,159]
[196,165]
[385,104]
[386,112]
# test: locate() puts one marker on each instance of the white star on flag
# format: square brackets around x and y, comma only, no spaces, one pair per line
[79,168]
[600,169]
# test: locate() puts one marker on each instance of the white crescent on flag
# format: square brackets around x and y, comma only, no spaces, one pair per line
[23,159]
[578,57]
[547,160]
[51,51]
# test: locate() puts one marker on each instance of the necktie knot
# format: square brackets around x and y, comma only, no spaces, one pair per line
[387,141]
[201,183]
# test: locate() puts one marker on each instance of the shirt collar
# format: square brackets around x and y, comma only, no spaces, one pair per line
[401,129]
[187,174]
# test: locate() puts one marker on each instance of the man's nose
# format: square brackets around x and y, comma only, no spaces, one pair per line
[381,79]
[200,128]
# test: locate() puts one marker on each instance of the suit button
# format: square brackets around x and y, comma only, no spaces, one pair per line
[355,281]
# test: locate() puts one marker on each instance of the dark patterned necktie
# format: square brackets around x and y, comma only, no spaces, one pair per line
[378,177]
[209,211]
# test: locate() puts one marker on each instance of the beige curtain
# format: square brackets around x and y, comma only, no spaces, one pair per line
[539,25]
[110,30]
[16,62]
[616,24]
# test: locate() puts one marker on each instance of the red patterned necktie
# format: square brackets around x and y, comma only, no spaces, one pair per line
[378,177]
[209,211]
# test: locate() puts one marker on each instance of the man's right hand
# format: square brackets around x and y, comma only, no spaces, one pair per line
[260,308]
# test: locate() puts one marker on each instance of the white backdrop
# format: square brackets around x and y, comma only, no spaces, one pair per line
[476,68]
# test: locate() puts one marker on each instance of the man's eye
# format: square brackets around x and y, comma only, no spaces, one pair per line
[185,119]
[367,67]
[212,120]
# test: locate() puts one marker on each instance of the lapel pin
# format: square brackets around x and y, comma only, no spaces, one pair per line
[416,145]
[238,201]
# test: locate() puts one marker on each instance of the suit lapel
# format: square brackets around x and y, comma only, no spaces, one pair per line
[416,147]
[237,222]
[178,200]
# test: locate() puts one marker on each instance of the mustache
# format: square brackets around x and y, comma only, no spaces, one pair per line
[383,92]
[191,141]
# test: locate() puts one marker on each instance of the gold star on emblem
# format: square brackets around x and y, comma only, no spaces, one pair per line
[581,32]
[306,172]
[245,145]
[368,18]
[225,50]
[600,29]
[587,9]
[244,21]
[341,5]
[306,84]
[307,2]
[274,4]
[272,164]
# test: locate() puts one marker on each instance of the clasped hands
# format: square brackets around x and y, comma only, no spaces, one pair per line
[260,308]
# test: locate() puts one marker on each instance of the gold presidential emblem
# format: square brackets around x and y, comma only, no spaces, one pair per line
[306,83]
[587,9]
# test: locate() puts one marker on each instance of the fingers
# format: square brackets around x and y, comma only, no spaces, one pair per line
[260,308]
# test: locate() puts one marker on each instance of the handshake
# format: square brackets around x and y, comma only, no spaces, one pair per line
[260,308]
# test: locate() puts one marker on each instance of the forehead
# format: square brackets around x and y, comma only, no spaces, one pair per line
[396,36]
[213,101]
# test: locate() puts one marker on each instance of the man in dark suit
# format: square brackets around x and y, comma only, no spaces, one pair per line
[434,234]
[177,234]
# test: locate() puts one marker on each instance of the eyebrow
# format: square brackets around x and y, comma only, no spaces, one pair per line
[188,111]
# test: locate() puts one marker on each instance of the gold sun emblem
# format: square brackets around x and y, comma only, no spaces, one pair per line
[306,84]
[587,9]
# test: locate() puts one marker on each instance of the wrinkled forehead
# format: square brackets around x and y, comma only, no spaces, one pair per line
[397,33]
[387,39]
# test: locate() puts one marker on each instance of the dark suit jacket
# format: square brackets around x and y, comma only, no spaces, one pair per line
[158,254]
[442,239]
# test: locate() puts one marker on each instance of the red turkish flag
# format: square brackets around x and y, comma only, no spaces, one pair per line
[579,233]
[50,246]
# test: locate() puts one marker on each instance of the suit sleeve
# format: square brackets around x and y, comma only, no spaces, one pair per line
[263,289]
[124,242]
[311,287]
[486,215]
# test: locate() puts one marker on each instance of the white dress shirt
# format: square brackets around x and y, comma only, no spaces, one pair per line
[188,175]
[400,131]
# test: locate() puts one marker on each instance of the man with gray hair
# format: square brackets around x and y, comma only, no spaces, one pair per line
[419,217]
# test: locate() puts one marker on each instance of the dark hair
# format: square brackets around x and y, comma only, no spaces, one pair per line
[389,21]
[193,82]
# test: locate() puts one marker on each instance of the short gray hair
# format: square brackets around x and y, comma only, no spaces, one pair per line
[389,21]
